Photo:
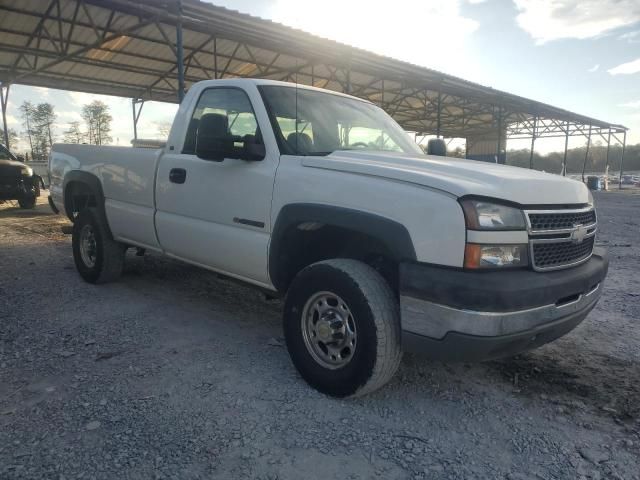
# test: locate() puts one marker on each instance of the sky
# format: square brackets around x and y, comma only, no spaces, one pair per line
[581,55]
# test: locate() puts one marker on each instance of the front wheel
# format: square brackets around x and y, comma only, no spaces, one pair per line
[98,257]
[342,327]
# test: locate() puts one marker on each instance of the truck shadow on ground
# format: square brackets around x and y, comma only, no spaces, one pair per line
[8,210]
[608,384]
[562,372]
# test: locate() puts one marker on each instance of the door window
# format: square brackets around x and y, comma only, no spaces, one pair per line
[234,104]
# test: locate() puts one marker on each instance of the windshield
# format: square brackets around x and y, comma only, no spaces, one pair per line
[308,122]
[5,154]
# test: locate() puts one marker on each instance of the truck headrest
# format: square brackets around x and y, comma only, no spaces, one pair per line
[437,146]
[213,125]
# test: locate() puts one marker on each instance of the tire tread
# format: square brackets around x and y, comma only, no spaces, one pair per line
[385,313]
[382,303]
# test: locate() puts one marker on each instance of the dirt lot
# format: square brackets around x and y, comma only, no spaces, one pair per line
[174,373]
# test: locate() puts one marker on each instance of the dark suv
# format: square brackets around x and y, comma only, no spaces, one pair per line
[17,180]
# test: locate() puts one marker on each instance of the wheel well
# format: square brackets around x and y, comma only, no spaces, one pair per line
[305,243]
[78,196]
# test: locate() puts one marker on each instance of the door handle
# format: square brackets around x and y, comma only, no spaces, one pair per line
[177,175]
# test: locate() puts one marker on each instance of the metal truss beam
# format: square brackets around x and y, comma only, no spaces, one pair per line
[68,32]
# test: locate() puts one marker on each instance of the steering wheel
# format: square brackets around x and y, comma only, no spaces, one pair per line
[359,145]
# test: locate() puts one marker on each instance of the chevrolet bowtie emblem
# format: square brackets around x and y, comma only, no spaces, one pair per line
[578,233]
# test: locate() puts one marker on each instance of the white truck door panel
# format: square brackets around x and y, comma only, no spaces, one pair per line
[220,216]
[199,220]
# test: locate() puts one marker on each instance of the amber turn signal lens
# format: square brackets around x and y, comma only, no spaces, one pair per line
[494,256]
[472,255]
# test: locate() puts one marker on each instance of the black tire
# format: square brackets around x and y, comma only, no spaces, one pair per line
[108,255]
[27,202]
[375,312]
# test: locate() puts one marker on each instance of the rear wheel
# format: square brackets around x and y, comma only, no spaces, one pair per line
[98,257]
[342,327]
[27,202]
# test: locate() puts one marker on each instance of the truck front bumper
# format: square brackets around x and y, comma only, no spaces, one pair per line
[451,314]
[16,188]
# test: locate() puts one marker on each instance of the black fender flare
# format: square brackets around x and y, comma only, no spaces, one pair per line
[392,234]
[92,182]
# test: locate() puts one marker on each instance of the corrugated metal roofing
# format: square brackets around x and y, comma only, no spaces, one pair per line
[126,48]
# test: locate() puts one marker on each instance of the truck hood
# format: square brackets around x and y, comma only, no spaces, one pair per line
[459,177]
[11,168]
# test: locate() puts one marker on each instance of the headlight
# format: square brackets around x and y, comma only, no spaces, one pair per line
[485,215]
[27,171]
[495,256]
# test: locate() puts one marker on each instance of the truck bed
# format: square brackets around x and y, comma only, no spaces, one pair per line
[127,175]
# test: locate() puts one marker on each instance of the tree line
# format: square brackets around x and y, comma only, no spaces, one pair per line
[596,159]
[39,123]
[39,127]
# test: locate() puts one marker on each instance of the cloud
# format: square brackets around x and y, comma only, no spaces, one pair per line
[628,68]
[403,30]
[13,122]
[79,99]
[595,68]
[548,20]
[42,91]
[631,37]
[69,116]
[635,104]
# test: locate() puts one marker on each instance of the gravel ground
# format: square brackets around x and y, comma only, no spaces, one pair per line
[174,373]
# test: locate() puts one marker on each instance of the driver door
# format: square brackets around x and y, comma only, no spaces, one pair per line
[216,214]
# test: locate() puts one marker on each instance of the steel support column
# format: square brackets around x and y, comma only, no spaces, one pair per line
[439,114]
[533,141]
[4,99]
[566,149]
[500,134]
[606,163]
[180,53]
[136,115]
[586,153]
[624,144]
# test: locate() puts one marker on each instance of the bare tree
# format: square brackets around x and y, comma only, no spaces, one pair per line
[163,128]
[38,121]
[44,116]
[14,138]
[74,134]
[26,112]
[98,121]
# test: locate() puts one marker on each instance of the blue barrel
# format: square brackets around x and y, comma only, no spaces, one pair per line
[593,182]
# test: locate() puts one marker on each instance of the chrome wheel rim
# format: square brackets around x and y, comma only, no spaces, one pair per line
[88,249]
[329,330]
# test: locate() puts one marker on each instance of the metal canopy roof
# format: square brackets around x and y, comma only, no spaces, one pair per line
[130,49]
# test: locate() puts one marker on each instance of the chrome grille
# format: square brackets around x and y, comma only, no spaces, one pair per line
[547,255]
[555,221]
[561,238]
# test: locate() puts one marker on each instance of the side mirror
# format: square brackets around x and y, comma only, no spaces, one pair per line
[20,158]
[253,152]
[436,146]
[213,141]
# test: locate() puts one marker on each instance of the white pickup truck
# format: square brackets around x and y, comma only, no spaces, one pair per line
[322,198]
